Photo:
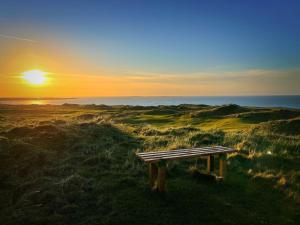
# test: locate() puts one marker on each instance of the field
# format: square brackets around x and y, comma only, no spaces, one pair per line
[74,164]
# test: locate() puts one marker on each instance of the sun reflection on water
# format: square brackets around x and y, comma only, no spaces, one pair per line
[37,102]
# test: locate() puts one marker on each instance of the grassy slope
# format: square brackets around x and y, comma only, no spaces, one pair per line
[76,165]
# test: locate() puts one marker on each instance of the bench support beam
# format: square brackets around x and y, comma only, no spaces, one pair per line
[222,165]
[153,171]
[161,179]
[210,164]
[157,176]
[158,162]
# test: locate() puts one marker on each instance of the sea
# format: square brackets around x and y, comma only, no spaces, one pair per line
[286,101]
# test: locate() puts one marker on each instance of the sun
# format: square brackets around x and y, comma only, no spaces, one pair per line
[35,77]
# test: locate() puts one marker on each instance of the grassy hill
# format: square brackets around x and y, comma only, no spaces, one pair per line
[75,164]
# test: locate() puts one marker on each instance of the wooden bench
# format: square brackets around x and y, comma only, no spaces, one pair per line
[157,162]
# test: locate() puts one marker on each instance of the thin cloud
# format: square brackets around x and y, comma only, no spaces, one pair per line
[17,38]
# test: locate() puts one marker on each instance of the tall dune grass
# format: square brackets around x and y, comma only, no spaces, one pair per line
[77,165]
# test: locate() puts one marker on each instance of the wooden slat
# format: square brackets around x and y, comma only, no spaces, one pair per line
[176,151]
[183,153]
[163,153]
[165,156]
[209,149]
[157,152]
[187,149]
[174,157]
[173,152]
[181,156]
[226,148]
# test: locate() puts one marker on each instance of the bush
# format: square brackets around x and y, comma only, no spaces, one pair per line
[200,139]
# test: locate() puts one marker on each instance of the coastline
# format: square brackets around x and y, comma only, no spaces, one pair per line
[283,101]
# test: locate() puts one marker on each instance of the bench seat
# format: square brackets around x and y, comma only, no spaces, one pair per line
[157,162]
[183,153]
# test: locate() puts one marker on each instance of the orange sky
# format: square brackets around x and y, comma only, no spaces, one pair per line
[73,76]
[107,48]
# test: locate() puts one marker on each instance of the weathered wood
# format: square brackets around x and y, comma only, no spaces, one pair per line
[153,172]
[157,160]
[161,179]
[210,164]
[180,151]
[175,150]
[210,149]
[177,156]
[183,153]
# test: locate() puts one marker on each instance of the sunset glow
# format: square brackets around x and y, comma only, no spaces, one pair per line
[201,51]
[35,77]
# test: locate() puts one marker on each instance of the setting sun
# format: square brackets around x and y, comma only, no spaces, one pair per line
[35,77]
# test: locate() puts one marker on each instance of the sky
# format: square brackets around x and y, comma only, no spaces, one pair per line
[150,48]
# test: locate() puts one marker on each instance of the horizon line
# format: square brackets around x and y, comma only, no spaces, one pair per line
[146,96]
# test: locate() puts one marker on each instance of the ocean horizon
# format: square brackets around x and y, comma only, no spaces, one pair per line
[286,101]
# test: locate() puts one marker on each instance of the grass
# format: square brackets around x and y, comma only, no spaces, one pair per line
[226,124]
[76,165]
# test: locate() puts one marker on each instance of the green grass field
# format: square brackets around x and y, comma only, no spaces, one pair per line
[75,164]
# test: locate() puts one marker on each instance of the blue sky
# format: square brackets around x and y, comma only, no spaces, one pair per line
[175,37]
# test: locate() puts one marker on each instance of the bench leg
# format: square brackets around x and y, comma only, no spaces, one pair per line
[153,171]
[161,179]
[222,165]
[210,164]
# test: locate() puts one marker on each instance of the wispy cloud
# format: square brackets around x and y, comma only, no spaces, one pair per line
[17,38]
[246,82]
[254,74]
